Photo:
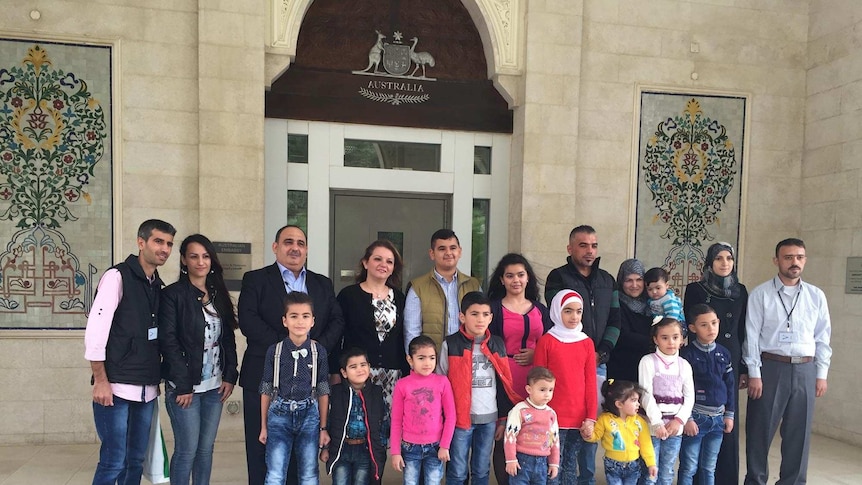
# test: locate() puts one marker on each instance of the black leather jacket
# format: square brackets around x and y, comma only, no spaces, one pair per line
[181,338]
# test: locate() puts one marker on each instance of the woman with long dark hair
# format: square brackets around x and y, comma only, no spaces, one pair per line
[199,362]
[519,319]
[373,311]
[635,321]
[720,288]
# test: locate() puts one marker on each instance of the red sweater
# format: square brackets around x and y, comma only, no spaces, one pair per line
[574,366]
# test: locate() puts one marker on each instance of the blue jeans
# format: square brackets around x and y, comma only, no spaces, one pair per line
[666,452]
[534,470]
[353,466]
[622,472]
[587,453]
[124,430]
[195,431]
[701,452]
[421,458]
[292,426]
[477,442]
[570,446]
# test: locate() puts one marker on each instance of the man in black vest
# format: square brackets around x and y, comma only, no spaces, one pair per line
[121,343]
[601,318]
[260,308]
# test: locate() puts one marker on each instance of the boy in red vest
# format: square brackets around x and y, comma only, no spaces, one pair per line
[476,365]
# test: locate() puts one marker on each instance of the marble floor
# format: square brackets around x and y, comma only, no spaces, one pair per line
[831,462]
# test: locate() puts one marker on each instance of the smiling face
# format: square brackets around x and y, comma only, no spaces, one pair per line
[197,261]
[633,285]
[515,279]
[380,264]
[156,250]
[445,253]
[423,361]
[356,371]
[290,249]
[722,265]
[298,320]
[668,338]
[476,319]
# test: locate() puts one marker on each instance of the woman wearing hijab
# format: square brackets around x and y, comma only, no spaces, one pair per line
[635,321]
[719,288]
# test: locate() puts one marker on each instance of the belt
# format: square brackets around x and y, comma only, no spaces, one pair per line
[357,441]
[785,358]
[294,405]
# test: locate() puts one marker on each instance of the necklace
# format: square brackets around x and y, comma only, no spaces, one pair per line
[377,295]
[664,362]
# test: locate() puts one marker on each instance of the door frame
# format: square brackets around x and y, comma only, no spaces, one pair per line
[325,172]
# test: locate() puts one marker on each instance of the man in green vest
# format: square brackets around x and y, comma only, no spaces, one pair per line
[433,298]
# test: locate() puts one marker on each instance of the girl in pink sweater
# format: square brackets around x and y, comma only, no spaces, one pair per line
[423,417]
[570,355]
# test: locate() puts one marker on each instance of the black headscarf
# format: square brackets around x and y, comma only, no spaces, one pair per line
[639,304]
[721,286]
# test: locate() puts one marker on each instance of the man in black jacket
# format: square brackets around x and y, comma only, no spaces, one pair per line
[601,318]
[260,309]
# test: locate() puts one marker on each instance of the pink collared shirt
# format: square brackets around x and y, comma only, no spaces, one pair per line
[108,297]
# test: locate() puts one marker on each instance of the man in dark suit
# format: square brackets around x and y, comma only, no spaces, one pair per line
[261,307]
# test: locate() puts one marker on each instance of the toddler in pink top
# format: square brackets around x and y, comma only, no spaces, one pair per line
[532,442]
[423,417]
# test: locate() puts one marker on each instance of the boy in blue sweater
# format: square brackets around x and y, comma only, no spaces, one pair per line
[714,389]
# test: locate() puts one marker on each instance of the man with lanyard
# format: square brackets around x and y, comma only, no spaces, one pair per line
[121,343]
[601,317]
[788,354]
[433,299]
[260,310]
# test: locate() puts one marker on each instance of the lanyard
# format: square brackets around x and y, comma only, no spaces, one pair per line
[789,313]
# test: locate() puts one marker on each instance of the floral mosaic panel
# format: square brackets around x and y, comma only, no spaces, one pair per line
[55,181]
[689,180]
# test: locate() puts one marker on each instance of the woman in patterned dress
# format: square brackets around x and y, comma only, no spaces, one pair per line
[373,312]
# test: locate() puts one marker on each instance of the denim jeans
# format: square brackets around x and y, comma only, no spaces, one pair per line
[622,472]
[477,442]
[353,466]
[124,430]
[195,431]
[534,470]
[587,453]
[292,426]
[701,452]
[666,452]
[421,458]
[570,445]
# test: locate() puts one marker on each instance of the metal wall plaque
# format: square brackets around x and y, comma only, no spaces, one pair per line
[235,259]
[853,281]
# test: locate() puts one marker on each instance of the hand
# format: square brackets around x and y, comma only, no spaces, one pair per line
[820,388]
[653,472]
[324,438]
[690,428]
[262,436]
[589,426]
[512,468]
[672,427]
[728,425]
[443,454]
[225,390]
[184,400]
[324,455]
[524,357]
[743,381]
[755,387]
[553,471]
[586,433]
[499,431]
[397,463]
[102,393]
[661,433]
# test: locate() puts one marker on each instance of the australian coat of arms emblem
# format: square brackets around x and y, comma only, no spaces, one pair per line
[396,60]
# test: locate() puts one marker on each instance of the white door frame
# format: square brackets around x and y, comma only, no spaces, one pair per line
[325,170]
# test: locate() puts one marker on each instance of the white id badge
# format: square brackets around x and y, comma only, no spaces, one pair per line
[787,337]
[152,333]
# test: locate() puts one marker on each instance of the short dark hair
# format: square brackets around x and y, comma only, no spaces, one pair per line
[474,298]
[582,229]
[421,342]
[698,310]
[297,298]
[351,353]
[539,373]
[655,275]
[791,241]
[443,234]
[278,232]
[615,390]
[145,230]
